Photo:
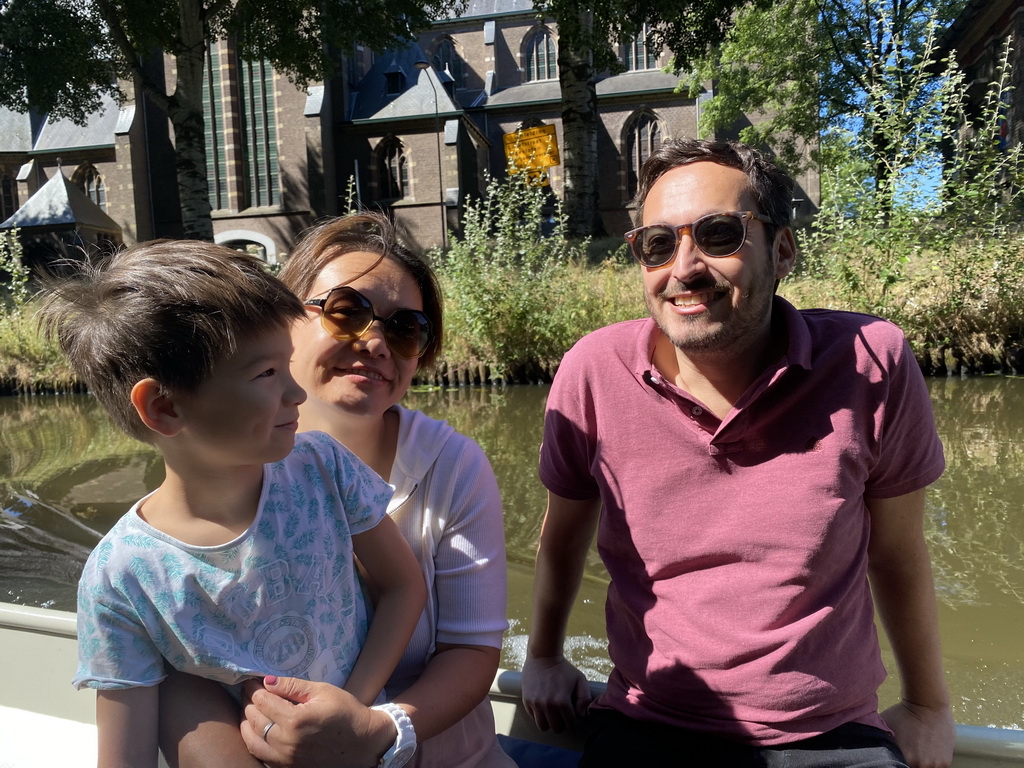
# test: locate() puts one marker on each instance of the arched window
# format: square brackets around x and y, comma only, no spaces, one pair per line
[88,179]
[393,169]
[638,54]
[540,59]
[8,197]
[642,137]
[446,57]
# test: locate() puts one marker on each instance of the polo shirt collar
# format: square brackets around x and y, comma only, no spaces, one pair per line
[798,348]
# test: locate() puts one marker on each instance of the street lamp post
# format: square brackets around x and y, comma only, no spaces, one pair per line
[423,66]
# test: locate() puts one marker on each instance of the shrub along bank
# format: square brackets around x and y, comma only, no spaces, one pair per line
[518,294]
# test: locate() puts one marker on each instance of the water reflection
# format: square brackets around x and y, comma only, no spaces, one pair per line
[67,475]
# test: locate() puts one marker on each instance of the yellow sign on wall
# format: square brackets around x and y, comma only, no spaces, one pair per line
[532,150]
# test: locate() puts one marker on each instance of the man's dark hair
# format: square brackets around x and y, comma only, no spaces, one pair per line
[771,187]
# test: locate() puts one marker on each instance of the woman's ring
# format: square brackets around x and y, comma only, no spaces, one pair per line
[266,730]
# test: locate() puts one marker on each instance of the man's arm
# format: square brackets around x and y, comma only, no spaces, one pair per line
[901,582]
[555,692]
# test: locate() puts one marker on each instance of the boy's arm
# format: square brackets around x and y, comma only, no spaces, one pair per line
[126,722]
[392,567]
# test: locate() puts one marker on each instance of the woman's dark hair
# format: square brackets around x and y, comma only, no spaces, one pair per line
[373,233]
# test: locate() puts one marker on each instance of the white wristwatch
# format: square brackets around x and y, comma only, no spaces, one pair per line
[405,744]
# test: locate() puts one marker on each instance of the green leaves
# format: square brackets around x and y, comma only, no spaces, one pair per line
[55,57]
[518,293]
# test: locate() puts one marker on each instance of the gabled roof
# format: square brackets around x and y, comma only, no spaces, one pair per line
[485,8]
[651,81]
[371,101]
[60,205]
[97,132]
[15,131]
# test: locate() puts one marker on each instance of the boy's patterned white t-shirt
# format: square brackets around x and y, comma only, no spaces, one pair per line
[283,598]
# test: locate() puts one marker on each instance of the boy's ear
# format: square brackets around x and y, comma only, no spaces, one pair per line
[156,408]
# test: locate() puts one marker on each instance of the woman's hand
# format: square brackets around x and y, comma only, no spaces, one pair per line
[315,724]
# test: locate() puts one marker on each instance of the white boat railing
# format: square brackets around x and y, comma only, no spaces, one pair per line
[38,656]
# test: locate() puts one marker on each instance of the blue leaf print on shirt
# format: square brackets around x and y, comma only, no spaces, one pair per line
[305,541]
[103,552]
[140,541]
[142,571]
[292,523]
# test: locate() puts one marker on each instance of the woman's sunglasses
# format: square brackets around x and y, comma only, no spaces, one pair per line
[717,235]
[346,314]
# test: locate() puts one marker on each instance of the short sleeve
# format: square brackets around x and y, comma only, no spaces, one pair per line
[115,650]
[469,563]
[364,495]
[910,454]
[567,450]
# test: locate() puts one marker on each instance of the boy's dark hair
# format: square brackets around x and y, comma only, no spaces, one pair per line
[371,232]
[165,309]
[771,187]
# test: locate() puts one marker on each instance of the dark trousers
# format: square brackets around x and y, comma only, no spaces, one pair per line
[616,741]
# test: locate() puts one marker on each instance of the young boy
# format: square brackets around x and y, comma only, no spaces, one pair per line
[241,563]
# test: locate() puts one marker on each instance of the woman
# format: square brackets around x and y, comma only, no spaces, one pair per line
[374,317]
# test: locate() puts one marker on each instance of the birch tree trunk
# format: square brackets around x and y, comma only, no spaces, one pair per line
[185,111]
[579,135]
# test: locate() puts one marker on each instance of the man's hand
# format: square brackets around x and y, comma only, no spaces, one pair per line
[315,725]
[925,734]
[555,693]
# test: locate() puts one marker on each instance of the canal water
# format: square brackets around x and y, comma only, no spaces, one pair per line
[66,475]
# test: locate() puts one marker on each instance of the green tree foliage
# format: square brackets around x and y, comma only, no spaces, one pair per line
[935,244]
[61,56]
[807,66]
[588,37]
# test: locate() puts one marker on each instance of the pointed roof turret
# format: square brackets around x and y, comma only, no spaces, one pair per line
[58,205]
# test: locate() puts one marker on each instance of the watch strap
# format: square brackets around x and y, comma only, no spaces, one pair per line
[405,743]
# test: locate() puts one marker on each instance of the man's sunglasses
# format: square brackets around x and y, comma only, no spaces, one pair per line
[717,235]
[346,314]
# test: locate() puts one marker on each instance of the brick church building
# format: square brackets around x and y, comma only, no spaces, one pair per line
[414,131]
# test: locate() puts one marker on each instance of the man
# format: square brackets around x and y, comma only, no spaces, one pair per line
[749,469]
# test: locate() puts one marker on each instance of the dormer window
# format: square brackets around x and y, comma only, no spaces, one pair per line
[638,54]
[394,79]
[447,59]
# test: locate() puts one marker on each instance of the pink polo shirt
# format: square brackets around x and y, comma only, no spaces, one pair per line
[737,549]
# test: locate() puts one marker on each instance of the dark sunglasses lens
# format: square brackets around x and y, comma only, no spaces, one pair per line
[407,332]
[347,314]
[654,246]
[719,235]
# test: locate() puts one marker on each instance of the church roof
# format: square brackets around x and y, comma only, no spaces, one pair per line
[485,8]
[15,131]
[97,132]
[417,89]
[59,205]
